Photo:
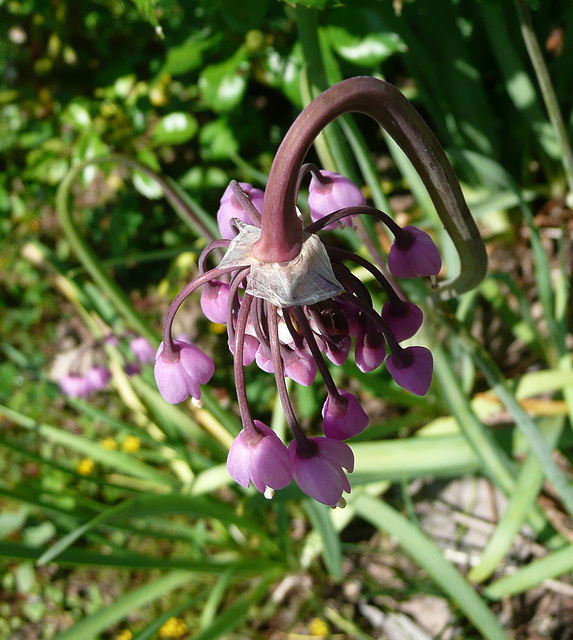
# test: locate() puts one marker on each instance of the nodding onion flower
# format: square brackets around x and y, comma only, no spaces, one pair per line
[291,302]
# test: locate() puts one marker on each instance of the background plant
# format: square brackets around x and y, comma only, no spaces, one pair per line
[121,490]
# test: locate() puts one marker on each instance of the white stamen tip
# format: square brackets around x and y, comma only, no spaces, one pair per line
[341,503]
[433,282]
[196,402]
[269,493]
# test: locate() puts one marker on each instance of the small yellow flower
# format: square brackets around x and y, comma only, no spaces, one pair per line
[86,466]
[173,628]
[318,628]
[109,444]
[124,635]
[131,444]
[218,329]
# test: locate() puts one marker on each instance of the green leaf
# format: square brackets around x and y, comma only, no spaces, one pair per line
[187,56]
[146,506]
[222,85]
[218,141]
[367,50]
[92,625]
[320,516]
[431,558]
[313,4]
[176,128]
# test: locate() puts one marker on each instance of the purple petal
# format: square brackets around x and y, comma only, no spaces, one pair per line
[342,421]
[403,318]
[414,376]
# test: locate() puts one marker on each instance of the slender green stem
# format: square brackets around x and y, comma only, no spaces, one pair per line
[547,90]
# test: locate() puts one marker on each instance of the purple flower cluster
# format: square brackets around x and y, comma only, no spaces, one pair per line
[86,373]
[291,304]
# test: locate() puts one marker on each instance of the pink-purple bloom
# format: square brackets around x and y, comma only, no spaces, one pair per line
[214,298]
[412,369]
[74,385]
[321,474]
[329,192]
[413,253]
[143,350]
[231,208]
[403,318]
[343,417]
[179,374]
[293,304]
[261,458]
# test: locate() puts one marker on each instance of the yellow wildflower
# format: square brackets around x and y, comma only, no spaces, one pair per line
[131,444]
[109,444]
[173,628]
[217,328]
[318,628]
[124,635]
[86,466]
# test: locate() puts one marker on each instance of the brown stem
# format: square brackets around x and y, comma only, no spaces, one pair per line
[280,239]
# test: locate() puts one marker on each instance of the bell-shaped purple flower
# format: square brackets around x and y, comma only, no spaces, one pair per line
[260,458]
[143,350]
[214,298]
[75,386]
[230,208]
[300,368]
[321,475]
[181,376]
[402,317]
[412,369]
[344,417]
[338,355]
[369,350]
[97,378]
[336,192]
[413,253]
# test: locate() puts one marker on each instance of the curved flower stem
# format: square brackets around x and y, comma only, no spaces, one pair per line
[344,254]
[281,229]
[316,354]
[302,442]
[246,417]
[168,349]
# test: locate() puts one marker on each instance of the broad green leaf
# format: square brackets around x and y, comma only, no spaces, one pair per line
[366,50]
[187,56]
[175,128]
[222,85]
[218,141]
